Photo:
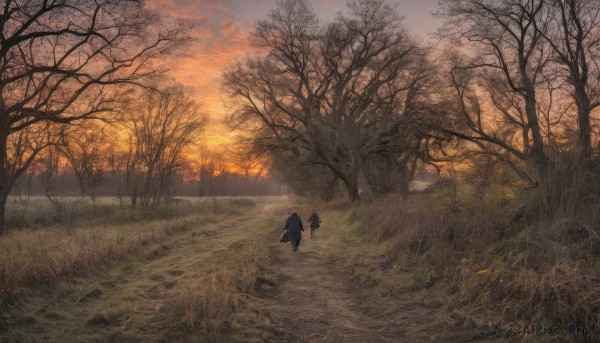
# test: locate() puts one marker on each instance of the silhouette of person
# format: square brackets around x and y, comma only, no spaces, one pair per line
[315,223]
[293,225]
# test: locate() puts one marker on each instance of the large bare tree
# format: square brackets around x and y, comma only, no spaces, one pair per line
[333,95]
[62,60]
[509,56]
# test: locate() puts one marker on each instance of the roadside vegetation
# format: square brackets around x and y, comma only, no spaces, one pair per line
[501,256]
[213,260]
[58,247]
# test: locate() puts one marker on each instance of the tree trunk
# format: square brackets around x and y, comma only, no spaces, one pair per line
[404,180]
[5,184]
[378,171]
[353,194]
[584,139]
[3,199]
[148,187]
[133,196]
[538,157]
[351,182]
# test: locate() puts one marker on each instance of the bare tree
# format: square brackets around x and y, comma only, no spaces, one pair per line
[510,56]
[206,166]
[84,149]
[333,95]
[134,169]
[49,165]
[117,157]
[61,60]
[315,183]
[166,122]
[573,33]
[250,163]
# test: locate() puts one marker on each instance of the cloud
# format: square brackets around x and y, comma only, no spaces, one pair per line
[191,10]
[220,40]
[209,57]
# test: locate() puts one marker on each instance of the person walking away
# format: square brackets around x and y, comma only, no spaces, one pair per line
[293,225]
[315,222]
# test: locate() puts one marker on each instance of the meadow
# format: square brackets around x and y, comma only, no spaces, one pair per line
[48,244]
[437,266]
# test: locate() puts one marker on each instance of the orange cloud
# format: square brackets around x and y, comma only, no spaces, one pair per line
[220,40]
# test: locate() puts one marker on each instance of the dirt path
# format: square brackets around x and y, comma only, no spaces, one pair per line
[312,300]
[312,304]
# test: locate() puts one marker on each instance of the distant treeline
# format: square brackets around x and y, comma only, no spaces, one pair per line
[224,184]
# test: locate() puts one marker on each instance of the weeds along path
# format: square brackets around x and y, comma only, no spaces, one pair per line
[312,296]
[126,302]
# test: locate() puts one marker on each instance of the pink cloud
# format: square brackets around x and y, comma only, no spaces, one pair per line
[192,10]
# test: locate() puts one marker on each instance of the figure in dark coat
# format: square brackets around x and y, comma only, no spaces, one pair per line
[315,223]
[294,227]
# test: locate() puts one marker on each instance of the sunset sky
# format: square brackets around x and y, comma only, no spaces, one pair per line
[222,28]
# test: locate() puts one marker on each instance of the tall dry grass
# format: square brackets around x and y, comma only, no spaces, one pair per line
[209,301]
[532,253]
[436,229]
[34,257]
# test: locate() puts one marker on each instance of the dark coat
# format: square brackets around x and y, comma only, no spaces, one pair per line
[294,226]
[314,221]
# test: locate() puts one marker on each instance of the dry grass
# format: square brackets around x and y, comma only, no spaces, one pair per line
[561,295]
[202,304]
[38,212]
[42,257]
[537,276]
[33,257]
[213,301]
[530,253]
[427,229]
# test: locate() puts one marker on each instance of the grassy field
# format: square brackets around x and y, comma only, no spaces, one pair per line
[495,256]
[212,270]
[174,272]
[88,237]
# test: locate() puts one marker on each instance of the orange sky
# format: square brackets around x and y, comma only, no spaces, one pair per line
[221,29]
